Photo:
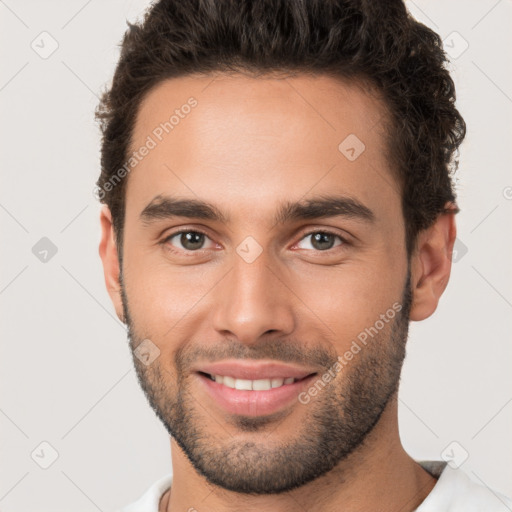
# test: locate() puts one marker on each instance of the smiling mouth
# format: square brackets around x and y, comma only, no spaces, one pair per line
[253,385]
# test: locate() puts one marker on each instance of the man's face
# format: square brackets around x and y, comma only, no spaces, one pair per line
[248,289]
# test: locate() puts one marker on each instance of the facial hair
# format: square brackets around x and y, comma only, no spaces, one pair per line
[335,423]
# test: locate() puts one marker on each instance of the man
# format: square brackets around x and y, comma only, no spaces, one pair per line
[278,207]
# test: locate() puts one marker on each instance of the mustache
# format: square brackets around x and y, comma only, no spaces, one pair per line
[276,350]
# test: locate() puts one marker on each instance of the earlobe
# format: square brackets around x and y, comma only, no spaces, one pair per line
[110,260]
[431,265]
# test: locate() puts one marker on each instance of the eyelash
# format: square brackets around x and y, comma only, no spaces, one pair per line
[165,241]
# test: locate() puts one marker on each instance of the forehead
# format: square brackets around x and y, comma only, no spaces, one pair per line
[247,141]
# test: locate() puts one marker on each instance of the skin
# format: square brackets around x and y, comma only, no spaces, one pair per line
[249,145]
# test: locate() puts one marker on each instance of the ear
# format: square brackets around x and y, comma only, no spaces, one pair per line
[108,255]
[431,264]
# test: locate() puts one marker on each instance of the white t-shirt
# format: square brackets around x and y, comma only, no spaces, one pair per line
[453,492]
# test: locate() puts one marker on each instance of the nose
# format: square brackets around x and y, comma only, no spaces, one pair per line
[253,301]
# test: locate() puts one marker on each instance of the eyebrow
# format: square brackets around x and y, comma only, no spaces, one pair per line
[321,207]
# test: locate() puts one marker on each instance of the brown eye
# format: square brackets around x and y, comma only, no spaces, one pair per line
[322,240]
[187,240]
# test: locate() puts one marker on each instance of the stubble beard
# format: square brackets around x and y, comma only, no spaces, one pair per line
[331,427]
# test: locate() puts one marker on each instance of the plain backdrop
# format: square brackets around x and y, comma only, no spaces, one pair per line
[66,376]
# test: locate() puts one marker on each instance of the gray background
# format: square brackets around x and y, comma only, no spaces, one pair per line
[66,375]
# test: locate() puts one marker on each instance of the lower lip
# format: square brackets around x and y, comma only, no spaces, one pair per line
[253,403]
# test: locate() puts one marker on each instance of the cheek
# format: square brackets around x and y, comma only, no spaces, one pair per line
[162,296]
[348,299]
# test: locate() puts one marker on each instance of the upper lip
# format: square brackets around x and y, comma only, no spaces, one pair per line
[252,370]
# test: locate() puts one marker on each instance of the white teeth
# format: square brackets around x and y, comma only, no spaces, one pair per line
[227,381]
[275,383]
[243,384]
[261,385]
[252,385]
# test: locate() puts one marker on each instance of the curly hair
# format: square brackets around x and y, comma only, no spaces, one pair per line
[376,42]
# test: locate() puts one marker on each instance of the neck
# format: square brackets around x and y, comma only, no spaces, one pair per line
[379,475]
